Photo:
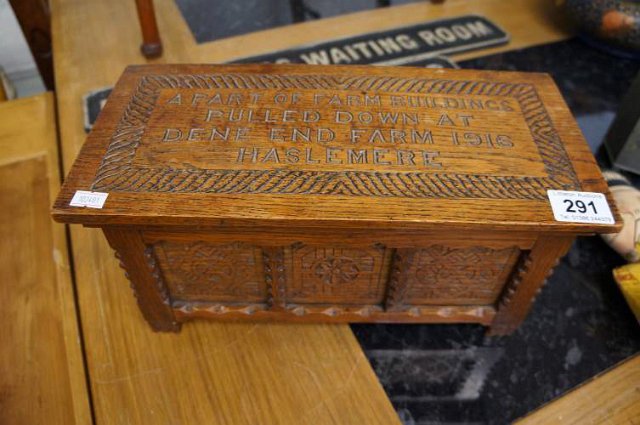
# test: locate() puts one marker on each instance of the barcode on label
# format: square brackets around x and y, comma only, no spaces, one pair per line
[580,207]
[83,198]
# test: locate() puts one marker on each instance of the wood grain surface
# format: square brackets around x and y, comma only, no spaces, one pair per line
[41,366]
[286,146]
[301,145]
[210,373]
[133,372]
[612,397]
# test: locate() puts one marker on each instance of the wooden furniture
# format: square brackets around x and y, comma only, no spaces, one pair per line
[317,374]
[35,20]
[41,365]
[337,194]
[612,397]
[151,45]
[3,93]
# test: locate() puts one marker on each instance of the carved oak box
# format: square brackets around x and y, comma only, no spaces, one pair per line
[333,194]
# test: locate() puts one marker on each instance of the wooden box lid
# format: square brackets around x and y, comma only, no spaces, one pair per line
[349,146]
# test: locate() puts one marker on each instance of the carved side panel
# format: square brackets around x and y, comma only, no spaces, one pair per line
[200,271]
[336,275]
[442,275]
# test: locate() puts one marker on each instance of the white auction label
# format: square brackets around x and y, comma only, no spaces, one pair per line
[83,198]
[580,207]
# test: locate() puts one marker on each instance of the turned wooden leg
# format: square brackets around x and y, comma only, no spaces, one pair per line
[3,94]
[34,18]
[151,44]
[141,269]
[528,278]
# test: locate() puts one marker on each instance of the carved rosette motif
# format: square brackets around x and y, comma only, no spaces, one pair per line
[118,174]
[336,275]
[336,270]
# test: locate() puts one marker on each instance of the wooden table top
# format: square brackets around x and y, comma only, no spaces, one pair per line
[41,366]
[612,397]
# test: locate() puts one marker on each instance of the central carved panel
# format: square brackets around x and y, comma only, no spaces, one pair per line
[336,275]
[337,271]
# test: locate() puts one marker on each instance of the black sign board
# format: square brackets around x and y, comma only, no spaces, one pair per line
[418,45]
[399,46]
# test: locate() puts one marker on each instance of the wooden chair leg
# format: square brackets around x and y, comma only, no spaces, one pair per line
[34,19]
[3,94]
[151,44]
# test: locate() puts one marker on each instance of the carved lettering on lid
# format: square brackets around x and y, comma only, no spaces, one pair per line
[335,135]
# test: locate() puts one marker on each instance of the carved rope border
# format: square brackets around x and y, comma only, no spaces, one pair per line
[117,174]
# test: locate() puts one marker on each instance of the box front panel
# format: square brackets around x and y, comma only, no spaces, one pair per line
[225,273]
